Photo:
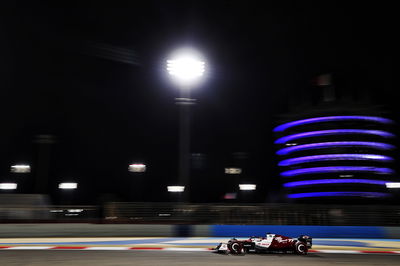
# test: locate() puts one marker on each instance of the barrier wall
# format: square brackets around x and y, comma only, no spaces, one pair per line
[151,230]
[294,231]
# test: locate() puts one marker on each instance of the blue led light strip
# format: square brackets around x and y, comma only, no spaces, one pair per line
[285,126]
[337,157]
[319,133]
[339,194]
[323,145]
[335,181]
[333,169]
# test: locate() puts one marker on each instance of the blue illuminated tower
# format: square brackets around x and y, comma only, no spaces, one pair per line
[336,152]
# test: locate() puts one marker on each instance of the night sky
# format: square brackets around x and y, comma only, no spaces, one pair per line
[92,74]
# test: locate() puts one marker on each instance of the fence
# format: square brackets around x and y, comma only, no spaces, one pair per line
[272,214]
[45,213]
[175,213]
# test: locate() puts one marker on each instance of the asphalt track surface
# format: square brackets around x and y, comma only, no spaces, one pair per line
[159,258]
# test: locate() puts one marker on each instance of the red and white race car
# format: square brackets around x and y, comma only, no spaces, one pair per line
[269,243]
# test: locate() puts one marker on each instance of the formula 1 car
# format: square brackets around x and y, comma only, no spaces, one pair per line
[271,243]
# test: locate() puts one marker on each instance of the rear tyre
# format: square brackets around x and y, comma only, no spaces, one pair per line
[300,248]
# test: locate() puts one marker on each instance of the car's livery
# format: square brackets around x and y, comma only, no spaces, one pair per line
[269,243]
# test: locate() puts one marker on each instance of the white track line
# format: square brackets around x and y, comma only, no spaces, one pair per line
[338,251]
[107,248]
[179,249]
[30,247]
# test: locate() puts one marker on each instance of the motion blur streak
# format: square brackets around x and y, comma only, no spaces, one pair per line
[327,157]
[285,126]
[334,181]
[330,169]
[322,145]
[320,133]
[339,194]
[111,52]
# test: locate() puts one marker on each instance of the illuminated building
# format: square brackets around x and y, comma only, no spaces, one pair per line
[336,153]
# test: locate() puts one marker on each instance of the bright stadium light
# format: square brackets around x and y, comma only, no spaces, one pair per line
[186,66]
[8,186]
[393,185]
[176,188]
[68,185]
[137,168]
[247,186]
[20,168]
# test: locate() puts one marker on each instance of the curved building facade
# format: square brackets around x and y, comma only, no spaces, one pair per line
[333,158]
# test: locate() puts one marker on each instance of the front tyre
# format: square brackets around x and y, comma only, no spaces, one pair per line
[300,248]
[235,248]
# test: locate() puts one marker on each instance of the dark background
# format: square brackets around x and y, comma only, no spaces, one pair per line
[92,74]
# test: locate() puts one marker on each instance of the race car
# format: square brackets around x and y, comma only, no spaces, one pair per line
[268,244]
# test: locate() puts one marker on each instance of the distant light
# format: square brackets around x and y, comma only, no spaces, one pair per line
[247,187]
[230,196]
[20,168]
[346,175]
[186,66]
[291,144]
[233,171]
[8,186]
[75,210]
[176,188]
[57,211]
[68,185]
[137,168]
[393,185]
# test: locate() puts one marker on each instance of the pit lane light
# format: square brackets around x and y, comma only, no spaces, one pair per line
[20,168]
[68,185]
[8,186]
[233,171]
[247,186]
[175,188]
[137,168]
